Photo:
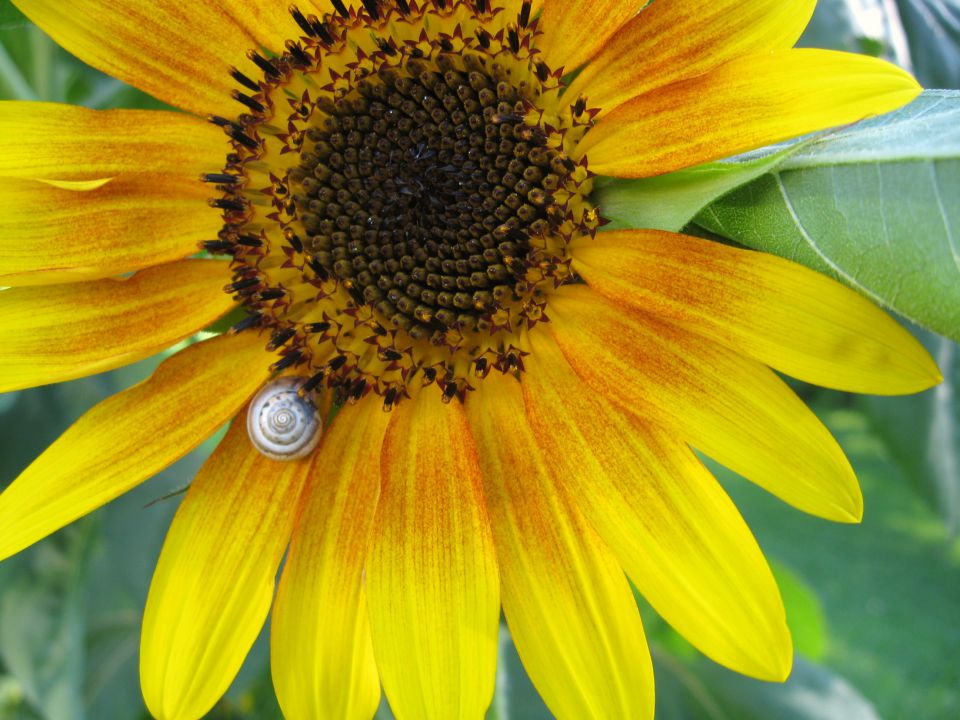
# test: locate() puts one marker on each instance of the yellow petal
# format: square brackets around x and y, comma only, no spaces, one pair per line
[61,332]
[214,581]
[574,30]
[727,405]
[49,141]
[49,235]
[88,194]
[178,53]
[321,652]
[670,524]
[570,609]
[670,41]
[745,104]
[432,584]
[131,436]
[785,315]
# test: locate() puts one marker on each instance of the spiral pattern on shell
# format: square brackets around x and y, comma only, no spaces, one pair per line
[283,425]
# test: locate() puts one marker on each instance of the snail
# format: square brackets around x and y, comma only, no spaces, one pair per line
[283,425]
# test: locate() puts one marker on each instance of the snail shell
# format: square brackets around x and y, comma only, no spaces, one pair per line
[281,424]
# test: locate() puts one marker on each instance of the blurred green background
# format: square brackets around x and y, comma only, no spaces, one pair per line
[874,608]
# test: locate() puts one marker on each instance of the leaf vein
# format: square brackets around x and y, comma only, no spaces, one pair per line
[816,248]
[948,228]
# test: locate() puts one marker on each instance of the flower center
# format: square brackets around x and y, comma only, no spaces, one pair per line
[400,198]
[422,192]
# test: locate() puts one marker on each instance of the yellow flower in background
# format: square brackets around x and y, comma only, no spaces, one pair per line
[402,190]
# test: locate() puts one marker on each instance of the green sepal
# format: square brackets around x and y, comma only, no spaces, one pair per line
[669,202]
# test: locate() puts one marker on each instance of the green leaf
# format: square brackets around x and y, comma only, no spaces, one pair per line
[13,703]
[669,202]
[804,613]
[42,623]
[922,432]
[874,205]
[889,588]
[10,16]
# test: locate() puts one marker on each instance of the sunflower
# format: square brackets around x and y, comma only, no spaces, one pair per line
[396,197]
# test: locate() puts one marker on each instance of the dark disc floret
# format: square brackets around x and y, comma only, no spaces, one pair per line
[400,195]
[422,191]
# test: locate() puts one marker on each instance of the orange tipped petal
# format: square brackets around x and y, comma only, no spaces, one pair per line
[727,405]
[214,581]
[432,583]
[181,55]
[666,519]
[61,332]
[127,224]
[574,30]
[671,41]
[747,103]
[88,194]
[783,314]
[50,141]
[116,445]
[321,652]
[570,609]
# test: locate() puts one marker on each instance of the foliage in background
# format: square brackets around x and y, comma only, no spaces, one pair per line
[873,607]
